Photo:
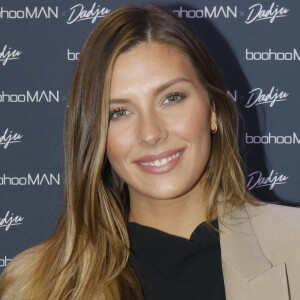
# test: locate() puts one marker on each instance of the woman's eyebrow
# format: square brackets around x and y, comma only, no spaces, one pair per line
[156,91]
[118,101]
[166,85]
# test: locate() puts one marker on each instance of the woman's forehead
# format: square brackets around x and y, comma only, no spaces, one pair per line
[148,65]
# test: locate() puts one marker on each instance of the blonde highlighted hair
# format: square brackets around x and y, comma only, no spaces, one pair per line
[87,256]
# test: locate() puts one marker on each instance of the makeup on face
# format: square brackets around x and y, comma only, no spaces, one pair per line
[160,118]
[160,163]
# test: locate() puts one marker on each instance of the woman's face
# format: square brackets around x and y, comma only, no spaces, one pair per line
[160,121]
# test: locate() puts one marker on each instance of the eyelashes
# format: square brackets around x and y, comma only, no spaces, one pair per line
[119,112]
[174,98]
[169,99]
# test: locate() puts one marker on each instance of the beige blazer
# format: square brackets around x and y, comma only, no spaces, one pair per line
[260,249]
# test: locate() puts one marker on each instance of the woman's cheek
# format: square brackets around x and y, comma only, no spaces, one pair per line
[119,142]
[191,122]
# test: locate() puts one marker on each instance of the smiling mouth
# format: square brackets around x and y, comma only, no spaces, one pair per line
[161,162]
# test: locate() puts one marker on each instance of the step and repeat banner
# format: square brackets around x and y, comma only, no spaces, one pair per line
[256,45]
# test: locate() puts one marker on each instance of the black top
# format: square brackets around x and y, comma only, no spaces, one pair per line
[171,267]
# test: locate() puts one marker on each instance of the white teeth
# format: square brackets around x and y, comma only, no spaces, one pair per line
[157,163]
[161,162]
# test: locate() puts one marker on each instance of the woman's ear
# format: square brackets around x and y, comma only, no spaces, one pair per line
[213,120]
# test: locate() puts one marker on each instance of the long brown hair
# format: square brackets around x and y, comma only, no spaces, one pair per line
[87,257]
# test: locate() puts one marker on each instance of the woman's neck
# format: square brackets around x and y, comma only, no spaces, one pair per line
[179,216]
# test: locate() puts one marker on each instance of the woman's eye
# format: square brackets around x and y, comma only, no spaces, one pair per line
[119,113]
[174,97]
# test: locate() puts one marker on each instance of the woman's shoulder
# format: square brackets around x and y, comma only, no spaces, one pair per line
[266,212]
[274,221]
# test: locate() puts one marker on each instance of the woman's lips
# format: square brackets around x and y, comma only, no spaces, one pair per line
[160,163]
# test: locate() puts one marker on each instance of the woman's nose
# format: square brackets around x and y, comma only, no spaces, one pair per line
[151,129]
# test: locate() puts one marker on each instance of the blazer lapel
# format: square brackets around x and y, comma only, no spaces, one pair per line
[248,274]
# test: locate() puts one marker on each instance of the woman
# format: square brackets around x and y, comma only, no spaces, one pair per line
[151,158]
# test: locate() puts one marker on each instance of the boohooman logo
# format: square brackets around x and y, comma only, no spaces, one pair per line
[43,12]
[72,55]
[30,97]
[4,261]
[30,179]
[272,139]
[213,12]
[272,55]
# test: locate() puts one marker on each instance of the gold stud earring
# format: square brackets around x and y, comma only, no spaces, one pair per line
[216,128]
